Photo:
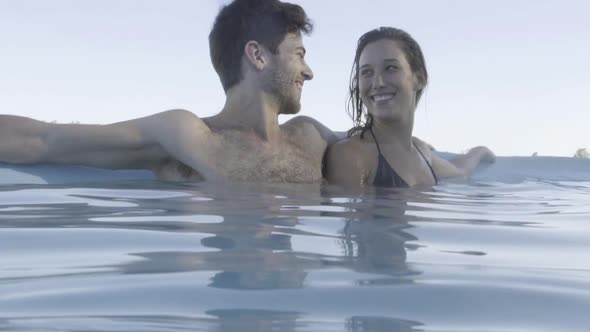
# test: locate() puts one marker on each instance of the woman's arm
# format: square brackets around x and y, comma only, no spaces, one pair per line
[462,165]
[345,166]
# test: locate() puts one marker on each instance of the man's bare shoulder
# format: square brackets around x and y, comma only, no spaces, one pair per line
[302,120]
[303,123]
[310,127]
[177,117]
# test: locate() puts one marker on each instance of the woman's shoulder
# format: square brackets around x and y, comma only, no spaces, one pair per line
[354,145]
[348,162]
[424,147]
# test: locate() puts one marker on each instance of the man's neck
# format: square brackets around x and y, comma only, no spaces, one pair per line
[249,111]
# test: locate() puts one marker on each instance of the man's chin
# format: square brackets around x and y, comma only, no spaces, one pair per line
[290,112]
[291,109]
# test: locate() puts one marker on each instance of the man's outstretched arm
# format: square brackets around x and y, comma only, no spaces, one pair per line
[138,143]
[21,139]
[119,145]
[186,138]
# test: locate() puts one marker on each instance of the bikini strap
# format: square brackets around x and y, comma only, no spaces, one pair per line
[376,143]
[417,148]
[427,163]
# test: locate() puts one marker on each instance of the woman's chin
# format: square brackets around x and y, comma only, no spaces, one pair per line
[387,116]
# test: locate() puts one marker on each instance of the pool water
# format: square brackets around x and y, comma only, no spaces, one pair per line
[153,256]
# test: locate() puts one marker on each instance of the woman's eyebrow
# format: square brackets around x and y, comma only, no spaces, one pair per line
[385,60]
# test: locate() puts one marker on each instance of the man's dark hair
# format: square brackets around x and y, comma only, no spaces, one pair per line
[265,21]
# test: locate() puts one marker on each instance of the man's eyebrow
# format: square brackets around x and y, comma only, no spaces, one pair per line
[301,48]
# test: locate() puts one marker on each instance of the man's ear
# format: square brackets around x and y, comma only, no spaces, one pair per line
[254,53]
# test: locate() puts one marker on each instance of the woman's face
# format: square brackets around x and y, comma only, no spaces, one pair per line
[387,84]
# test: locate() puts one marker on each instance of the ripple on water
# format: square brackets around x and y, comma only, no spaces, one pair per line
[165,257]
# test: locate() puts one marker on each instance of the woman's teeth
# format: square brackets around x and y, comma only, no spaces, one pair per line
[382,97]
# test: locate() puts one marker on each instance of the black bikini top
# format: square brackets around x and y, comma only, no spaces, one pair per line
[387,177]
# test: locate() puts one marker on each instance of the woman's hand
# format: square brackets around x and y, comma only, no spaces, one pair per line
[483,153]
[463,165]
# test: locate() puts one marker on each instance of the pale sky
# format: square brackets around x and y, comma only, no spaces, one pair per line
[508,74]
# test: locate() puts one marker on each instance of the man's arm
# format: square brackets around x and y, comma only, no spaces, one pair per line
[327,135]
[118,145]
[138,143]
[186,138]
[21,139]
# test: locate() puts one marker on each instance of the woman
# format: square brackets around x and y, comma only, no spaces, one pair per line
[388,77]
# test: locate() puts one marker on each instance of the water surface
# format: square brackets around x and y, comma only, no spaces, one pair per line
[153,256]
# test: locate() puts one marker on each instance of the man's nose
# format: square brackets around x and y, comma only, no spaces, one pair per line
[307,73]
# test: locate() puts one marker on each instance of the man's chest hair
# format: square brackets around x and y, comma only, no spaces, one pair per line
[247,158]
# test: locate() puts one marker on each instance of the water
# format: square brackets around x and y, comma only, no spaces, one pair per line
[151,256]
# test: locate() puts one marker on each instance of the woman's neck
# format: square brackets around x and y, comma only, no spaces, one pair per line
[394,132]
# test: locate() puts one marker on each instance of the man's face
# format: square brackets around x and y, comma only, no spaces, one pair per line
[286,73]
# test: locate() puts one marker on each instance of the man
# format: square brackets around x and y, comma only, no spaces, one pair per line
[257,51]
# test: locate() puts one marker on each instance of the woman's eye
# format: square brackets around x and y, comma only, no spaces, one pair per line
[392,68]
[366,72]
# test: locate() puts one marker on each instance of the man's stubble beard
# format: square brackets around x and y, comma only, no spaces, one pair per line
[281,86]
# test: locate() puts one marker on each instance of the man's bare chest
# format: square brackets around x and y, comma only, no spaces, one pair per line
[242,157]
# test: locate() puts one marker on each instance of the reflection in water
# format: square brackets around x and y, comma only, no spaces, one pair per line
[375,235]
[246,241]
[247,254]
[377,246]
[241,320]
[255,257]
[253,245]
[381,324]
[171,257]
[226,320]
[259,280]
[244,250]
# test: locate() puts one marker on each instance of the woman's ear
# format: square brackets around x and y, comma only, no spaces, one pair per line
[254,54]
[420,82]
[420,86]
